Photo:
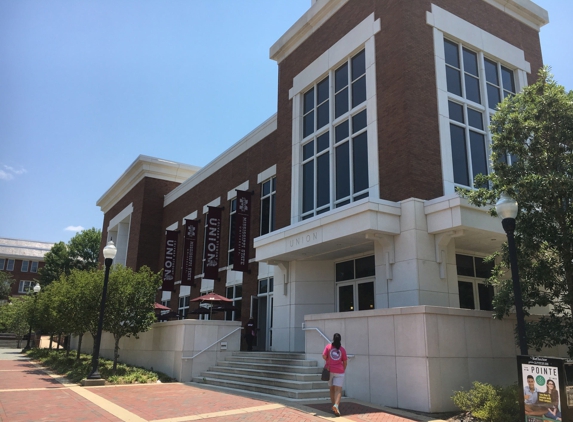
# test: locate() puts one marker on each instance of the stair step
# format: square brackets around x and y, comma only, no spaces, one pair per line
[277,355]
[265,389]
[269,381]
[271,367]
[275,361]
[247,371]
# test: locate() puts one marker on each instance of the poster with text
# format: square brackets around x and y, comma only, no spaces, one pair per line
[540,390]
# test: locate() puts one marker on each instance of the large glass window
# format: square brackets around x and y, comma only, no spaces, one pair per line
[2,263]
[268,190]
[183,306]
[334,147]
[468,73]
[34,267]
[235,293]
[472,273]
[25,286]
[10,265]
[355,284]
[25,265]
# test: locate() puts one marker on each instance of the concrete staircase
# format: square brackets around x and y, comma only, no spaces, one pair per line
[287,375]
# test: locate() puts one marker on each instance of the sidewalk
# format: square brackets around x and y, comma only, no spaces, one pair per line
[29,393]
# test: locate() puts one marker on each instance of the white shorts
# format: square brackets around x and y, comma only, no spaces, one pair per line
[336,380]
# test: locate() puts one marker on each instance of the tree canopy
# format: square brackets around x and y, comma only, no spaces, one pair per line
[532,161]
[6,281]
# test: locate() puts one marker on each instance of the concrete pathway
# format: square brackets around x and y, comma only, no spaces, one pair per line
[30,393]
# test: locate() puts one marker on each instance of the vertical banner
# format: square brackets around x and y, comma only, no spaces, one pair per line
[170,260]
[188,270]
[212,243]
[242,231]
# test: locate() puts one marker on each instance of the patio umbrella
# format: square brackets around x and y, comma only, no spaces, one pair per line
[211,297]
[160,307]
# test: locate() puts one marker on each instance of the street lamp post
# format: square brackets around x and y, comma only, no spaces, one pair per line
[37,289]
[109,253]
[507,209]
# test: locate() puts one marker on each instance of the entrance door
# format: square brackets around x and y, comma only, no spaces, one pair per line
[262,312]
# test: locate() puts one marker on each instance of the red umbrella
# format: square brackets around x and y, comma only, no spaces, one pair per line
[211,297]
[160,307]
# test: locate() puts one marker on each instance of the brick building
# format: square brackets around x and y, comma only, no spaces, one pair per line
[22,259]
[383,108]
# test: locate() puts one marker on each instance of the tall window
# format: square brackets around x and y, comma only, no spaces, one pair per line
[34,267]
[268,205]
[25,265]
[10,265]
[334,146]
[355,284]
[235,293]
[2,263]
[476,85]
[474,293]
[183,306]
[232,226]
[25,286]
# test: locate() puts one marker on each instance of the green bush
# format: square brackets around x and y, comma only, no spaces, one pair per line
[489,403]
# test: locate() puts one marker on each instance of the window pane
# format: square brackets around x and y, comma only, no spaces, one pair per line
[365,267]
[341,77]
[466,290]
[322,115]
[508,80]
[239,291]
[485,294]
[265,215]
[478,151]
[359,121]
[358,65]
[341,131]
[266,187]
[342,171]
[365,296]
[475,118]
[346,298]
[308,101]
[452,54]
[271,284]
[456,112]
[459,155]
[361,196]
[483,269]
[322,142]
[472,89]
[308,150]
[341,103]
[25,266]
[229,294]
[470,62]
[323,180]
[308,186]
[273,184]
[273,212]
[238,304]
[491,72]
[359,91]
[308,124]
[345,271]
[360,162]
[493,96]
[322,91]
[341,204]
[465,265]
[454,81]
[263,286]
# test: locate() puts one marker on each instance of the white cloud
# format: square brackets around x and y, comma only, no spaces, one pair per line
[5,176]
[74,228]
[9,172]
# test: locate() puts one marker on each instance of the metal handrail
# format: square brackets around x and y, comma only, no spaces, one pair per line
[208,347]
[323,336]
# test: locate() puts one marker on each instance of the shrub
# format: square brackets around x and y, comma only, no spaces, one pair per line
[489,403]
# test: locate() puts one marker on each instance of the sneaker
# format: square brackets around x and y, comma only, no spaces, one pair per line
[335,410]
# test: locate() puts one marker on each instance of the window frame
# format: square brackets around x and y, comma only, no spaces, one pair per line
[25,286]
[183,310]
[25,266]
[476,282]
[355,282]
[235,315]
[34,265]
[10,264]
[2,263]
[271,198]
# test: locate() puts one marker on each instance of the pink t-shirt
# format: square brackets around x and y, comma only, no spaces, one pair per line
[335,358]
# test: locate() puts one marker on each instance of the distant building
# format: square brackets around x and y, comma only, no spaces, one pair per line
[356,226]
[22,259]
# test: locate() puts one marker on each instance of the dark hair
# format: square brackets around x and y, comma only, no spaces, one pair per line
[336,340]
[551,381]
[530,376]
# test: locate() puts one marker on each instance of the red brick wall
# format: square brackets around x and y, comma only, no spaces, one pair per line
[18,275]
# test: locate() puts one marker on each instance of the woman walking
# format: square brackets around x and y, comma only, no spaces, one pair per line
[336,360]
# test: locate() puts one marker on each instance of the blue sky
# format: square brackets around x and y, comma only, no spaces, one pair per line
[87,86]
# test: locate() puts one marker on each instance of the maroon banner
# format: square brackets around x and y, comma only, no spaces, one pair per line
[212,244]
[170,261]
[188,270]
[242,231]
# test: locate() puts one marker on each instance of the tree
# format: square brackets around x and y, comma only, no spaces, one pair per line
[81,252]
[536,128]
[14,316]
[130,303]
[6,281]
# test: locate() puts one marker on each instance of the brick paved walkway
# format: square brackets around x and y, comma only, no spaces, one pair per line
[28,393]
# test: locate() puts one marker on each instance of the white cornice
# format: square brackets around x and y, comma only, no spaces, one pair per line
[145,166]
[24,249]
[525,11]
[259,133]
